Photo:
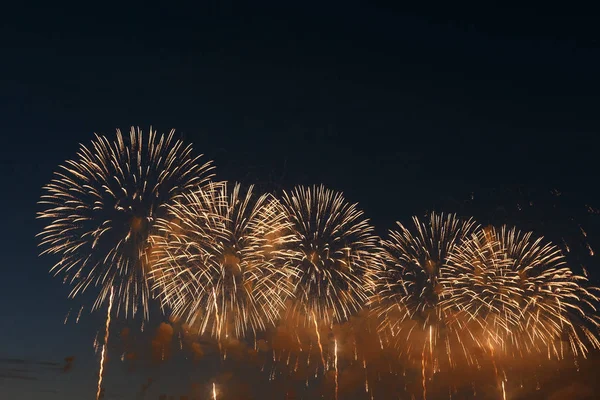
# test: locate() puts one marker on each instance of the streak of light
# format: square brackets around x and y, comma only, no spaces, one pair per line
[335,363]
[319,339]
[106,335]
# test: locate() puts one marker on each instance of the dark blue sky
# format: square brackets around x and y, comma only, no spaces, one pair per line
[401,110]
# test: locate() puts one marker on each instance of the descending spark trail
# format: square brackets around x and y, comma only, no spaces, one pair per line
[335,364]
[424,361]
[79,315]
[423,374]
[431,341]
[319,339]
[103,356]
[366,376]
[214,392]
[496,370]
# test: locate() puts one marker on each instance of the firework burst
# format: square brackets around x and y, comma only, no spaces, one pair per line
[521,293]
[408,290]
[217,261]
[334,248]
[101,206]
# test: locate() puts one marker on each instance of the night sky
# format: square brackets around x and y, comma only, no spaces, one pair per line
[403,111]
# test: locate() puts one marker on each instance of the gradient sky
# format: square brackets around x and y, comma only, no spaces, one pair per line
[400,110]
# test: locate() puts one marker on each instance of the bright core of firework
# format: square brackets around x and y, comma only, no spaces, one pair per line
[217,261]
[101,206]
[333,249]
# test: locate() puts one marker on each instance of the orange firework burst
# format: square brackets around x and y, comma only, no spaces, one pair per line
[334,248]
[218,263]
[521,293]
[408,291]
[101,207]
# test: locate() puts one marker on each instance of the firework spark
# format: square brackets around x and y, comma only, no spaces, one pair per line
[218,263]
[334,248]
[102,205]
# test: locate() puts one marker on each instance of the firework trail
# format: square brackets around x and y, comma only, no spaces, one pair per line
[424,374]
[214,391]
[106,334]
[334,248]
[314,318]
[335,363]
[102,205]
[218,262]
